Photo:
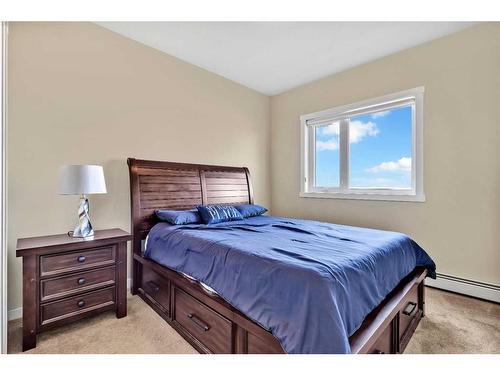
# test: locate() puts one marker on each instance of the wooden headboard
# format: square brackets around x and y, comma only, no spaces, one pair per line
[179,186]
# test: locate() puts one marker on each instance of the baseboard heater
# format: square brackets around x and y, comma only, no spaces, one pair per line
[472,288]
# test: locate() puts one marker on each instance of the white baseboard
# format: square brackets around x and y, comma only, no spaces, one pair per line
[18,313]
[476,289]
[15,314]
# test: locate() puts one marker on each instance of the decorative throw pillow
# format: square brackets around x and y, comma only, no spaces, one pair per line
[179,217]
[214,214]
[250,210]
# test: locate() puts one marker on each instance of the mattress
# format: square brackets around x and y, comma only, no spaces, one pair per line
[204,286]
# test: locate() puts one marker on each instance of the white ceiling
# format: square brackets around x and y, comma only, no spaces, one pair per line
[272,57]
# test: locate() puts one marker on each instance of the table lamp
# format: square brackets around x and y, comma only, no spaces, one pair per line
[82,180]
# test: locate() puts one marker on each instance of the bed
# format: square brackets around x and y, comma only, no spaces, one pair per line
[225,317]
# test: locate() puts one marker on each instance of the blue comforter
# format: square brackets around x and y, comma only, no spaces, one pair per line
[309,283]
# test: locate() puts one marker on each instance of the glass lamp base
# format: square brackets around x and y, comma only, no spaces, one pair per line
[84,228]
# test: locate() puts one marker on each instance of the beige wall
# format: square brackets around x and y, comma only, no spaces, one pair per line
[79,93]
[459,224]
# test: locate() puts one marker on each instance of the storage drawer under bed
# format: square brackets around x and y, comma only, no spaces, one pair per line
[409,315]
[156,288]
[409,311]
[206,325]
[385,342]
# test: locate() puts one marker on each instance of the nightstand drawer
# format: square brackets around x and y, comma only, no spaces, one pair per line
[77,305]
[51,265]
[76,283]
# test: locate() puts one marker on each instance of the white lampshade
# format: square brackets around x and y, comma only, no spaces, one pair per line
[81,179]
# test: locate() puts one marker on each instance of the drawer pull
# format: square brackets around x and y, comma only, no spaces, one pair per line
[200,323]
[81,259]
[154,286]
[409,308]
[81,281]
[378,351]
[81,303]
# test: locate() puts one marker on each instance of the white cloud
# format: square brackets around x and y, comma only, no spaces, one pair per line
[332,129]
[403,164]
[331,144]
[380,114]
[357,130]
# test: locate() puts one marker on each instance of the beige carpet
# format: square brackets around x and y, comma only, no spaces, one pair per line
[453,324]
[456,324]
[142,331]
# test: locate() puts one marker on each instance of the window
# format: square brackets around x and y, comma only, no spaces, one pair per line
[366,150]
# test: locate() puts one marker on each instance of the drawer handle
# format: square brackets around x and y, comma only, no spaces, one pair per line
[81,281]
[154,286]
[200,323]
[81,303]
[409,308]
[378,351]
[81,259]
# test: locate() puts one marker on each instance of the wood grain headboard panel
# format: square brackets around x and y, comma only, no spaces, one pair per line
[179,186]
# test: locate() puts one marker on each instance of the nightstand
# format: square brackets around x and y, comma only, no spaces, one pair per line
[66,279]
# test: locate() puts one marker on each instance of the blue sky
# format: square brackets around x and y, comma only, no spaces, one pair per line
[380,151]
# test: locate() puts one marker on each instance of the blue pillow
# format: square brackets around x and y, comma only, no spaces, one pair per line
[179,217]
[250,210]
[214,214]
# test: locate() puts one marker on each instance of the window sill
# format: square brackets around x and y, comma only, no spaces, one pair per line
[365,196]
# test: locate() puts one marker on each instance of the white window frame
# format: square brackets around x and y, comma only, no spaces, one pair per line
[342,113]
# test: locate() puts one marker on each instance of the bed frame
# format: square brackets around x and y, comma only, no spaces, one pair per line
[206,321]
